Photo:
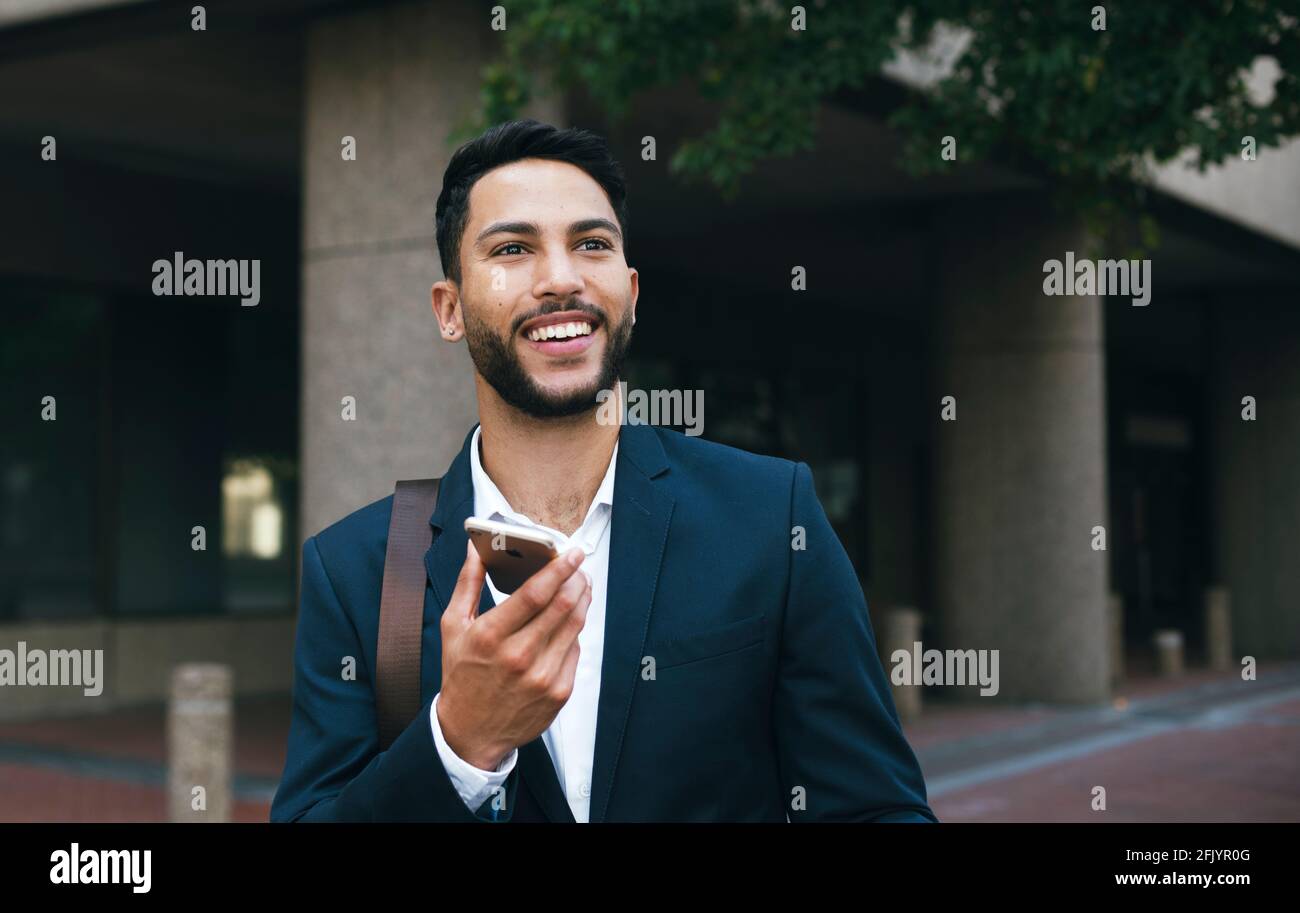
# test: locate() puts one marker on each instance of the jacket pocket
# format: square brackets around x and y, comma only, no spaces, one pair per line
[687,648]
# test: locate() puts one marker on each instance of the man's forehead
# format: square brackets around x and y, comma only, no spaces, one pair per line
[536,190]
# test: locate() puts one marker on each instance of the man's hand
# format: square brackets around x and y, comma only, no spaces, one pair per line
[506,674]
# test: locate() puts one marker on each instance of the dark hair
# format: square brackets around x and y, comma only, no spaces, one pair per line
[509,142]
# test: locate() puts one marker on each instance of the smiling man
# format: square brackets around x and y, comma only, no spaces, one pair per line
[699,651]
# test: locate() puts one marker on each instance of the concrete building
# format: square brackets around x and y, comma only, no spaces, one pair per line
[175,413]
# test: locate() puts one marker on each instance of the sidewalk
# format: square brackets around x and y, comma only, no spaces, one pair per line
[1206,747]
[111,767]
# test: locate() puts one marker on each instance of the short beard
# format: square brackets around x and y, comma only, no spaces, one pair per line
[495,360]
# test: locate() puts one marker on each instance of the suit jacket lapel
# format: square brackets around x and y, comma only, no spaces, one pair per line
[443,561]
[642,512]
[538,771]
[446,552]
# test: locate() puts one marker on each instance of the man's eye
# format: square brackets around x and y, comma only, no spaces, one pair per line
[504,248]
[604,245]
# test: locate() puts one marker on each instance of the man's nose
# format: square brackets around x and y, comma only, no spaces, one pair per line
[558,275]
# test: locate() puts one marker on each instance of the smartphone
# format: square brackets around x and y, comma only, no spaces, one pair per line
[510,553]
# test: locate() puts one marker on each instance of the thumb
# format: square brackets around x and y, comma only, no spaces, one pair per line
[469,586]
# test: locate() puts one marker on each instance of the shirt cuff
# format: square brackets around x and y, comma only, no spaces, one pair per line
[474,784]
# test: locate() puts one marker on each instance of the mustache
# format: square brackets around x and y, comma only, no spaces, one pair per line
[555,307]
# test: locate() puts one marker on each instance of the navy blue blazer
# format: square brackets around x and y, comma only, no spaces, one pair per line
[767,700]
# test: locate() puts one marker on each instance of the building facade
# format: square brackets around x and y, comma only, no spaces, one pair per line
[968,433]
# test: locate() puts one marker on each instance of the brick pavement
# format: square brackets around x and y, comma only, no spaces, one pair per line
[1207,747]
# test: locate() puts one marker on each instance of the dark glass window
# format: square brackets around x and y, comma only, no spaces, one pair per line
[174,423]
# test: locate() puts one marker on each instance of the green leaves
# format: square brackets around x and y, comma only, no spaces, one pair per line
[1036,85]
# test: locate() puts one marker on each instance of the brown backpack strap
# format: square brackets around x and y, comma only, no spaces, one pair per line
[401,607]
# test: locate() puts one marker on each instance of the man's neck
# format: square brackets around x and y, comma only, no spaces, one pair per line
[548,469]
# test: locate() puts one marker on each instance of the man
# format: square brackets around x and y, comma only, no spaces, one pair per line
[700,650]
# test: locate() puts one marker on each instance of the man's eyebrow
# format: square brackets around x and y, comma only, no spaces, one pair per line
[530,228]
[593,224]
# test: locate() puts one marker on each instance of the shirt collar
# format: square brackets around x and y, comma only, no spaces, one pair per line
[489,501]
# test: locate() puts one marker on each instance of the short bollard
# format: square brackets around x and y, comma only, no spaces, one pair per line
[199,735]
[1169,652]
[1218,628]
[902,630]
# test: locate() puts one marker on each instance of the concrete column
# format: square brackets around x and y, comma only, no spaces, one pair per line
[1020,475]
[398,79]
[1255,353]
[200,733]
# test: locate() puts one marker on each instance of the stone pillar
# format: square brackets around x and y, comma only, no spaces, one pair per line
[1254,406]
[1020,475]
[398,79]
[200,727]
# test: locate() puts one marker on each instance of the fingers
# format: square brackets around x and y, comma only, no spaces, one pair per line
[536,593]
[539,630]
[573,595]
[463,605]
[569,668]
[564,636]
[558,671]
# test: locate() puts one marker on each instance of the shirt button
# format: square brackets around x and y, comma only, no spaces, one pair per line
[584,790]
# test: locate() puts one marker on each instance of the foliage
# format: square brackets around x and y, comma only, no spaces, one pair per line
[1037,86]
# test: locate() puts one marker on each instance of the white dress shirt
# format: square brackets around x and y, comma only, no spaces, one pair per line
[571,737]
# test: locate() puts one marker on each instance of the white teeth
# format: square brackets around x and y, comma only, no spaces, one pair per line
[560,331]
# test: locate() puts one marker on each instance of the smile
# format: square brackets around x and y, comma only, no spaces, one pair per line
[560,331]
[563,335]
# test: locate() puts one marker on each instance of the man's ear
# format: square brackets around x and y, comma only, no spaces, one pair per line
[446,307]
[634,281]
